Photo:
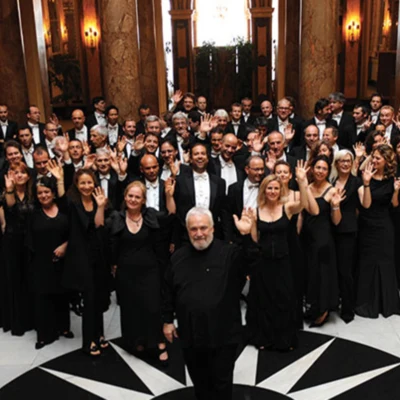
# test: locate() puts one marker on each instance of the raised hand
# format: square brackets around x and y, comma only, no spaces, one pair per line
[86,148]
[301,171]
[337,197]
[9,181]
[99,197]
[121,143]
[206,124]
[368,173]
[359,149]
[177,96]
[114,161]
[174,168]
[245,223]
[270,161]
[367,123]
[56,169]
[397,184]
[289,133]
[54,120]
[169,186]
[63,144]
[259,143]
[123,165]
[139,143]
[89,161]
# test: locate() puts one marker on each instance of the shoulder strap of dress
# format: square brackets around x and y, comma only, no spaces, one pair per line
[326,191]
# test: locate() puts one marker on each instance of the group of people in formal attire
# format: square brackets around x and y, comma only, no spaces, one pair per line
[178,213]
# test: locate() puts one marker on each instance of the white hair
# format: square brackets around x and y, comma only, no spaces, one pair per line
[221,113]
[180,115]
[199,211]
[338,156]
[100,129]
[103,152]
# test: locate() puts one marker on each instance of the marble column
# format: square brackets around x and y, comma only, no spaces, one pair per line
[13,92]
[318,59]
[120,56]
[292,49]
[148,62]
[261,23]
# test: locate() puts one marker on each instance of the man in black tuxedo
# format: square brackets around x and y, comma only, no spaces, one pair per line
[98,137]
[302,152]
[243,194]
[224,166]
[344,121]
[296,119]
[152,124]
[50,133]
[80,131]
[198,188]
[9,129]
[25,138]
[33,118]
[331,135]
[386,119]
[98,117]
[237,125]
[282,122]
[247,117]
[112,177]
[322,117]
[113,127]
[375,102]
[201,105]
[362,123]
[267,109]
[144,112]
[128,138]
[75,150]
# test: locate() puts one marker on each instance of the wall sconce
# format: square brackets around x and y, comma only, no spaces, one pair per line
[353,32]
[91,38]
[64,33]
[47,38]
[387,24]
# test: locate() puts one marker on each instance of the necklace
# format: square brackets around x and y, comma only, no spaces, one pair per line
[136,221]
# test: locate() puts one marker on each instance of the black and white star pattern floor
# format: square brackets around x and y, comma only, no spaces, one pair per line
[360,360]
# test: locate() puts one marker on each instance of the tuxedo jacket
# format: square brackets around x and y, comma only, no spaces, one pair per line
[119,135]
[185,200]
[72,135]
[347,131]
[115,189]
[215,168]
[91,121]
[139,127]
[250,121]
[299,152]
[394,134]
[242,131]
[273,125]
[329,122]
[234,206]
[11,131]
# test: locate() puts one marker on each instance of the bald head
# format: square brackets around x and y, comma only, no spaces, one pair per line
[78,119]
[229,146]
[149,167]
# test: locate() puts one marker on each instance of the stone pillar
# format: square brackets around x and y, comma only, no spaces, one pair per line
[182,44]
[148,61]
[292,49]
[13,92]
[261,23]
[318,60]
[120,56]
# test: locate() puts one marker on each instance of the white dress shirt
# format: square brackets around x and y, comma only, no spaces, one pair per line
[388,132]
[166,172]
[374,116]
[228,172]
[360,128]
[246,116]
[282,126]
[112,134]
[321,125]
[250,193]
[82,135]
[35,132]
[100,118]
[104,182]
[235,127]
[4,126]
[202,191]
[28,156]
[50,147]
[153,194]
[337,117]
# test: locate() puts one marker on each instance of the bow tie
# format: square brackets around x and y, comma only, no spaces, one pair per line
[320,123]
[283,123]
[34,125]
[3,123]
[360,126]
[374,113]
[29,151]
[253,185]
[200,176]
[235,123]
[112,128]
[108,176]
[100,116]
[79,132]
[40,176]
[150,185]
[225,164]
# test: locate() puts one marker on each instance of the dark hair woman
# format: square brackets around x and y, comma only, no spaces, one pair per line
[19,205]
[377,285]
[86,269]
[47,239]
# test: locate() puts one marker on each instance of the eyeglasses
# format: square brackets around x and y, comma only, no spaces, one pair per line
[344,161]
[257,169]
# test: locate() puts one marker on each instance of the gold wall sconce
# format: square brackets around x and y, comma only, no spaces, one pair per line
[353,32]
[91,37]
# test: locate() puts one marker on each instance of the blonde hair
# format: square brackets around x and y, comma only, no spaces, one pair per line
[261,200]
[138,184]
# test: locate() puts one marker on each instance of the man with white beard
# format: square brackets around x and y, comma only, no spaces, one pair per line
[202,286]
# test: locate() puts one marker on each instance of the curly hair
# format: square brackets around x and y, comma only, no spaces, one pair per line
[389,156]
[261,200]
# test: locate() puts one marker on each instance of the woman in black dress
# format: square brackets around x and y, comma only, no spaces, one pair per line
[345,233]
[18,308]
[377,285]
[271,318]
[322,283]
[136,254]
[86,269]
[48,233]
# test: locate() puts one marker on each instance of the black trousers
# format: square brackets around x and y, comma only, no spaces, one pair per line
[51,316]
[346,247]
[211,371]
[92,318]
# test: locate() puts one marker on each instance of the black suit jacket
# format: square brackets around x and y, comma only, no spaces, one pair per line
[92,121]
[346,131]
[139,127]
[185,200]
[242,130]
[299,152]
[234,206]
[115,189]
[215,168]
[329,122]
[273,125]
[250,121]
[72,135]
[11,131]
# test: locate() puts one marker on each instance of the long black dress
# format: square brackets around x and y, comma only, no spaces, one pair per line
[271,319]
[17,300]
[377,284]
[138,280]
[51,300]
[322,282]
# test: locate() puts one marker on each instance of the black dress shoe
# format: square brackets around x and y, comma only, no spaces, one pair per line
[68,334]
